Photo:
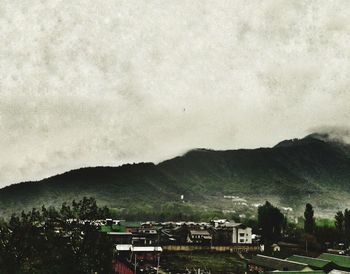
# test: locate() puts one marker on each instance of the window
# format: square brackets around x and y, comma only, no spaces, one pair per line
[241,234]
[241,240]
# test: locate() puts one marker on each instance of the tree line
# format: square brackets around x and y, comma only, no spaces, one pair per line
[42,241]
[342,221]
[273,226]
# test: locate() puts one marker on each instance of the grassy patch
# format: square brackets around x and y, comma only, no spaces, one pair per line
[215,262]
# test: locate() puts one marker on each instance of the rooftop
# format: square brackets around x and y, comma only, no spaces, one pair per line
[146,249]
[110,228]
[128,247]
[336,271]
[296,272]
[123,247]
[313,262]
[232,224]
[276,263]
[200,232]
[339,260]
[119,233]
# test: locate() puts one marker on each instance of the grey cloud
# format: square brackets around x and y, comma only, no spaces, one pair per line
[86,83]
[335,133]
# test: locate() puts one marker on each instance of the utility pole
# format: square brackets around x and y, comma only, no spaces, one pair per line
[158,259]
[306,247]
[135,265]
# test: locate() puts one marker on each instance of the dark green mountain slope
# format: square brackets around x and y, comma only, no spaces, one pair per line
[291,173]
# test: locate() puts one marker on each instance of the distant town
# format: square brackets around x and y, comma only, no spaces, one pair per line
[81,237]
[140,248]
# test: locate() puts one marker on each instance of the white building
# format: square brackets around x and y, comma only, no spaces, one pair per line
[241,234]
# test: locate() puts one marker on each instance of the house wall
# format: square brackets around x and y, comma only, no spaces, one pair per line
[242,236]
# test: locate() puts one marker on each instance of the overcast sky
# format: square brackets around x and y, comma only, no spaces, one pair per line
[86,83]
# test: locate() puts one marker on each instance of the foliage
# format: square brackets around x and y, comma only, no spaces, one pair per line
[347,222]
[342,224]
[279,174]
[43,241]
[309,225]
[170,211]
[270,221]
[339,221]
[325,222]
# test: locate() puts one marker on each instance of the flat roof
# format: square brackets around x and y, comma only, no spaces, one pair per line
[119,233]
[129,247]
[122,247]
[146,249]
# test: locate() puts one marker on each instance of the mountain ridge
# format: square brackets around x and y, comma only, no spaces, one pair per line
[290,173]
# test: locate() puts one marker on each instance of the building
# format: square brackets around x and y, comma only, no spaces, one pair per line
[115,230]
[136,259]
[275,248]
[261,264]
[177,235]
[335,271]
[218,222]
[341,262]
[314,263]
[199,237]
[110,225]
[241,234]
[296,272]
[232,233]
[120,237]
[146,236]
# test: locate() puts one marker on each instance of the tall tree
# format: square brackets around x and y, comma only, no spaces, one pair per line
[309,225]
[347,222]
[270,221]
[339,221]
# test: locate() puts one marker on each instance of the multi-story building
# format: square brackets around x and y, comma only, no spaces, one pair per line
[229,232]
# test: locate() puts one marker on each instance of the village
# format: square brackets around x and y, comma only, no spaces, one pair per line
[85,238]
[149,246]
